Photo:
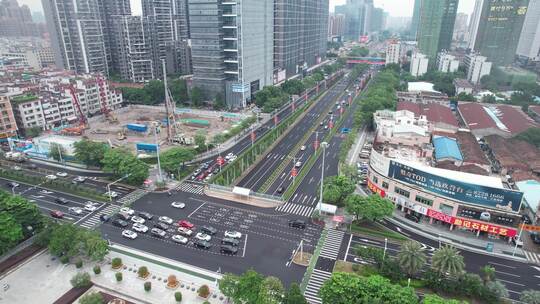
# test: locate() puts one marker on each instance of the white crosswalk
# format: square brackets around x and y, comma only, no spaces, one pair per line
[303,199]
[317,279]
[190,188]
[93,220]
[332,243]
[533,257]
[133,196]
[296,209]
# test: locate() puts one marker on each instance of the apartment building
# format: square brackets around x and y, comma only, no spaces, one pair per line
[419,64]
[393,52]
[477,67]
[447,63]
[8,125]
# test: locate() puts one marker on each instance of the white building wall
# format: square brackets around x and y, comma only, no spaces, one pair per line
[529,40]
[393,53]
[477,67]
[419,64]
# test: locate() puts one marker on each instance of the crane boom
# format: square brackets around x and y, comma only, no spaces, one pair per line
[82,117]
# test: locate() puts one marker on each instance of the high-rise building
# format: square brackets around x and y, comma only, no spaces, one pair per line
[393,52]
[16,21]
[358,15]
[377,21]
[419,64]
[232,47]
[415,21]
[447,63]
[137,59]
[335,25]
[300,30]
[436,26]
[529,40]
[78,34]
[496,26]
[477,67]
[461,27]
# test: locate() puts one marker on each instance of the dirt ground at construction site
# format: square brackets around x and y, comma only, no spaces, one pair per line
[190,121]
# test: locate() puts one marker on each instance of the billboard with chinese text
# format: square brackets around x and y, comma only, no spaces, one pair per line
[497,198]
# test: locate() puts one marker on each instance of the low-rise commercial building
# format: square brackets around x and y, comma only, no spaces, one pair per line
[463,86]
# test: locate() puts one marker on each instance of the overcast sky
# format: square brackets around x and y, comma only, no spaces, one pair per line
[393,7]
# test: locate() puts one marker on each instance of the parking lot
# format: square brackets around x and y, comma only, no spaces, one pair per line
[265,233]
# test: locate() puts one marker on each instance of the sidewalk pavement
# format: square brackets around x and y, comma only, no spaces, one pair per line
[67,166]
[461,239]
[43,277]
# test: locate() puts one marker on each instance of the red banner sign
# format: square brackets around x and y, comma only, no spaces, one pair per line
[484,227]
[275,120]
[440,216]
[375,189]
[253,136]
[316,144]
[294,172]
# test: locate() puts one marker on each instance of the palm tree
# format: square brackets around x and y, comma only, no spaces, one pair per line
[447,260]
[487,273]
[411,257]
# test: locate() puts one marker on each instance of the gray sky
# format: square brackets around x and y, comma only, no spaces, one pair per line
[394,7]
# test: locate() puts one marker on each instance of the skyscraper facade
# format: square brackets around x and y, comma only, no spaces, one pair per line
[335,25]
[232,45]
[358,15]
[497,29]
[529,40]
[415,19]
[300,34]
[78,34]
[436,26]
[16,21]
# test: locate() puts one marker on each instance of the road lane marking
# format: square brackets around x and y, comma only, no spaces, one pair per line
[493,263]
[510,282]
[348,247]
[506,273]
[245,245]
[196,209]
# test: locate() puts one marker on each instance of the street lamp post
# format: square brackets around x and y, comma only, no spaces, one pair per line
[324,145]
[385,247]
[116,181]
[517,241]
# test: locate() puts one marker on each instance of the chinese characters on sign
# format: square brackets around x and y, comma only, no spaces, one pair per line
[440,216]
[484,227]
[471,193]
[375,189]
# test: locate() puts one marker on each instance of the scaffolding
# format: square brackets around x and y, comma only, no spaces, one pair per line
[173,130]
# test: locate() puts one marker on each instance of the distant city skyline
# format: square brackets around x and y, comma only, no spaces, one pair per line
[404,9]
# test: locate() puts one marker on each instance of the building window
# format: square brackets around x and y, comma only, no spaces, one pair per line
[375,180]
[401,192]
[423,200]
[446,209]
[385,185]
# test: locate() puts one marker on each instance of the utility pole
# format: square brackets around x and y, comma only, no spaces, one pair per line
[157,152]
[324,145]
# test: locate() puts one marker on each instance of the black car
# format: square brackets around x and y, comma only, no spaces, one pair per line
[208,230]
[13,184]
[202,244]
[535,237]
[227,249]
[61,200]
[122,216]
[161,226]
[297,224]
[230,242]
[412,217]
[104,218]
[119,223]
[280,189]
[146,215]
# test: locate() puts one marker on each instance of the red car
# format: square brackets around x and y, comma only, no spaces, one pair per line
[57,214]
[185,224]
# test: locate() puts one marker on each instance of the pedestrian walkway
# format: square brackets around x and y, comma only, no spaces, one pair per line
[93,220]
[297,209]
[190,188]
[330,248]
[131,197]
[317,279]
[532,256]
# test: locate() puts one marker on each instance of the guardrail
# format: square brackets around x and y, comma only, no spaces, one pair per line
[29,241]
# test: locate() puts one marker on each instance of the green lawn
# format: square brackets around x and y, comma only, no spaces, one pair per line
[376,230]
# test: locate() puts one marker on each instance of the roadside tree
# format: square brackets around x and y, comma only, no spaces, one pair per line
[411,257]
[172,159]
[371,208]
[92,298]
[90,153]
[530,297]
[56,152]
[10,232]
[435,299]
[487,273]
[25,213]
[294,295]
[122,163]
[336,189]
[447,260]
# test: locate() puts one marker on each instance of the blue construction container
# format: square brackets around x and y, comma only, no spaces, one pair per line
[137,127]
[147,147]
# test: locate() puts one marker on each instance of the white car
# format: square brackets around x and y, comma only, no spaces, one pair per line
[46,192]
[298,164]
[16,168]
[90,207]
[165,219]
[137,219]
[127,210]
[178,205]
[303,148]
[61,174]
[79,179]
[179,239]
[233,158]
[233,234]
[111,194]
[139,227]
[185,231]
[75,210]
[229,156]
[203,237]
[129,234]
[51,177]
